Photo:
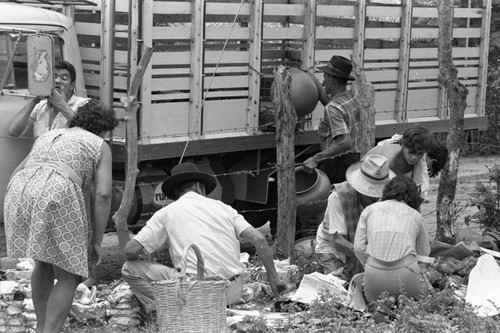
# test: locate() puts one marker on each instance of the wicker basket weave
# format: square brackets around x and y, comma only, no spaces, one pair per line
[192,306]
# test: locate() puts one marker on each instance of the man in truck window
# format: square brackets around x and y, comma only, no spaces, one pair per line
[194,219]
[339,129]
[41,115]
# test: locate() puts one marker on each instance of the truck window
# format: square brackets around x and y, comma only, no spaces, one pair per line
[18,72]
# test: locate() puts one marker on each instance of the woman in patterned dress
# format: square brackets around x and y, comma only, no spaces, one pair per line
[45,212]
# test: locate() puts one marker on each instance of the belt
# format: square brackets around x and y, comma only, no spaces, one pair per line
[61,167]
[232,279]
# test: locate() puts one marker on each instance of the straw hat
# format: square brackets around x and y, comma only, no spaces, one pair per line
[369,176]
[185,172]
[338,66]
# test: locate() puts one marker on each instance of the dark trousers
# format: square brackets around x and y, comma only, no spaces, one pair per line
[336,167]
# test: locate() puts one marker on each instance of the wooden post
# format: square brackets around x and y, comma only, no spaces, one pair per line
[366,96]
[286,119]
[457,102]
[130,104]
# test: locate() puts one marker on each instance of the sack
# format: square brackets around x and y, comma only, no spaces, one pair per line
[186,305]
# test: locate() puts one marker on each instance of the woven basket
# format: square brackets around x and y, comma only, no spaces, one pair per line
[191,306]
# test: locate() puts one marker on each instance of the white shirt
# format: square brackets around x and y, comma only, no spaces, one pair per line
[40,116]
[333,222]
[210,224]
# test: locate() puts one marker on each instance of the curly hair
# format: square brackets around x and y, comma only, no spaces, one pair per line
[438,155]
[403,189]
[67,66]
[417,138]
[92,117]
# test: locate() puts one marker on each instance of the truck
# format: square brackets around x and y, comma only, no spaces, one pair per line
[205,91]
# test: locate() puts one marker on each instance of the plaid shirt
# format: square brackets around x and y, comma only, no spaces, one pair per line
[390,230]
[342,116]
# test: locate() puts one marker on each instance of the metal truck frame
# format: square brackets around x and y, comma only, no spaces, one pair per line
[209,77]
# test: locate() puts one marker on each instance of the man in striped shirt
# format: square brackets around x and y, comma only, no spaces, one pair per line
[339,130]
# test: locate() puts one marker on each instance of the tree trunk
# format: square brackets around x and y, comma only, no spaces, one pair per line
[366,97]
[456,97]
[130,104]
[286,119]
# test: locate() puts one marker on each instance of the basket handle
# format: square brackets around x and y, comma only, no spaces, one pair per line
[200,262]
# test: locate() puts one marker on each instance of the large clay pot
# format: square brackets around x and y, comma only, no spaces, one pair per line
[312,190]
[304,93]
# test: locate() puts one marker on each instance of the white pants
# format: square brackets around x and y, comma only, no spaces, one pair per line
[140,273]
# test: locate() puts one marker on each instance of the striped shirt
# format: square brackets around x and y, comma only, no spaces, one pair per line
[390,230]
[342,116]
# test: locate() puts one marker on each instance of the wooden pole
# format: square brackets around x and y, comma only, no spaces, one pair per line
[130,104]
[366,96]
[286,119]
[457,102]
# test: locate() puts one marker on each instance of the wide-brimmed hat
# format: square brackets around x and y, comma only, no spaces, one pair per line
[185,172]
[369,176]
[339,67]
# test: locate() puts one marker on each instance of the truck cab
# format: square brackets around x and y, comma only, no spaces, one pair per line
[17,22]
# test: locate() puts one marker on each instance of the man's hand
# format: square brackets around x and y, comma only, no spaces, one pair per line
[57,100]
[310,164]
[277,286]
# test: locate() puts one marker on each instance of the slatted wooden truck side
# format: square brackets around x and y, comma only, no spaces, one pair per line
[208,80]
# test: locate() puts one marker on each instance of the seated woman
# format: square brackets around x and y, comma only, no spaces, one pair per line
[406,155]
[389,236]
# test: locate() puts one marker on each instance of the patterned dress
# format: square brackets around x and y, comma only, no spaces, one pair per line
[45,213]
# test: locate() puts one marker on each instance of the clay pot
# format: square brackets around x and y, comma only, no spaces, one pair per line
[312,190]
[304,93]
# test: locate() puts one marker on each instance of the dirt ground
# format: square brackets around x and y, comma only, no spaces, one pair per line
[470,171]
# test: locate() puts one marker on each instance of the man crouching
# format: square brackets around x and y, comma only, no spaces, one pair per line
[193,218]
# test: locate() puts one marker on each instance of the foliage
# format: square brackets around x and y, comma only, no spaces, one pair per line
[487,200]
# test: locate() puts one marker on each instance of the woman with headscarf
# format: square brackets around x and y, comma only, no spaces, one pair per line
[45,212]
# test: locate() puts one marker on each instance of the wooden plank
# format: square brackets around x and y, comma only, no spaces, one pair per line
[309,35]
[170,120]
[197,63]
[283,10]
[423,100]
[325,55]
[404,61]
[381,54]
[381,76]
[171,58]
[283,33]
[431,12]
[231,33]
[255,65]
[335,10]
[146,118]
[334,33]
[172,7]
[170,84]
[93,79]
[228,57]
[230,111]
[384,13]
[480,98]
[360,33]
[232,9]
[383,33]
[170,97]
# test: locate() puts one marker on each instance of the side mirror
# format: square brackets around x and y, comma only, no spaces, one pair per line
[40,64]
